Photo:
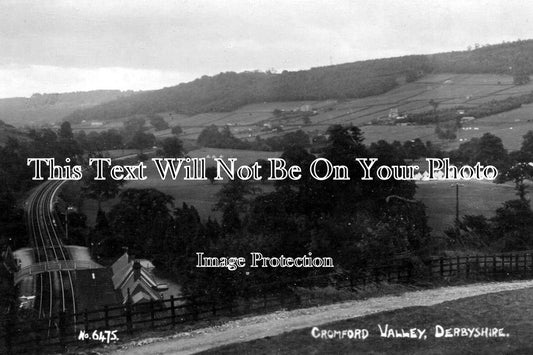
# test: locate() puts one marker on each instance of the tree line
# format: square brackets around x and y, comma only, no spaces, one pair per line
[227,91]
[354,222]
[511,228]
[360,224]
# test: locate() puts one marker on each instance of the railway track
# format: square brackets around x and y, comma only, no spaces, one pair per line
[54,290]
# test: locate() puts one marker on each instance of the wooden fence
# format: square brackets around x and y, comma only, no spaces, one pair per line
[489,266]
[80,329]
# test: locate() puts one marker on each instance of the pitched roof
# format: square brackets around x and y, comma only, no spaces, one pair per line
[94,289]
[124,279]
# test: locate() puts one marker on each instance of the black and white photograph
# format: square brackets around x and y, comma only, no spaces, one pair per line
[266,177]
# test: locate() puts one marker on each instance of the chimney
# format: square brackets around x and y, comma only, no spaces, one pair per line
[136,270]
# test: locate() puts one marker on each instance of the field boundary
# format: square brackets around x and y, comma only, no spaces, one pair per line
[181,312]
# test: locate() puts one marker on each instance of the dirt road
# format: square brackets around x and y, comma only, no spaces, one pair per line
[251,328]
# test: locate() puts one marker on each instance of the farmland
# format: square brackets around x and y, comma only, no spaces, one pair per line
[509,126]
[449,90]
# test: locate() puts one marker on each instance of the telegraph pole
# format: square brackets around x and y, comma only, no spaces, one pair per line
[457,204]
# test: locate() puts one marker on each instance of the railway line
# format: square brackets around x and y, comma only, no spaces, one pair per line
[53,288]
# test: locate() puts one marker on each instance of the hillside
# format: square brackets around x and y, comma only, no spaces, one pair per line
[8,131]
[228,91]
[314,117]
[51,108]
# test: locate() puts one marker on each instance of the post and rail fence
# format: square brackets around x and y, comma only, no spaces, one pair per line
[95,326]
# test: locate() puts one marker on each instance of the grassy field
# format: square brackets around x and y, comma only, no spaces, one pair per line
[510,126]
[450,90]
[511,310]
[474,198]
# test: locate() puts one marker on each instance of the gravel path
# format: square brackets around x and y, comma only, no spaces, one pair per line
[251,328]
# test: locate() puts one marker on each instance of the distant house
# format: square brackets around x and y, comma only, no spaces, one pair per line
[133,279]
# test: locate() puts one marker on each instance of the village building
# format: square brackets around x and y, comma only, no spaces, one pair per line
[132,279]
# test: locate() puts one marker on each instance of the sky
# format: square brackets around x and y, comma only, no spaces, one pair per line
[63,46]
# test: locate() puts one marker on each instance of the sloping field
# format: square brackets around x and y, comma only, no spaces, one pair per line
[202,119]
[523,114]
[510,126]
[449,90]
[271,106]
[475,198]
[399,133]
[245,118]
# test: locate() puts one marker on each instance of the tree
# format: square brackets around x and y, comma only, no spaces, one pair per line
[527,145]
[100,190]
[518,173]
[211,173]
[158,122]
[513,226]
[186,238]
[491,151]
[177,130]
[415,149]
[66,131]
[212,137]
[110,139]
[232,201]
[434,104]
[521,78]
[81,138]
[142,140]
[134,125]
[412,75]
[487,150]
[141,220]
[172,147]
[445,132]
[209,137]
[520,170]
[11,221]
[265,169]
[298,138]
[473,231]
[520,69]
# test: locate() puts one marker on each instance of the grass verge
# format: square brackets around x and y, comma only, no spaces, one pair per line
[511,310]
